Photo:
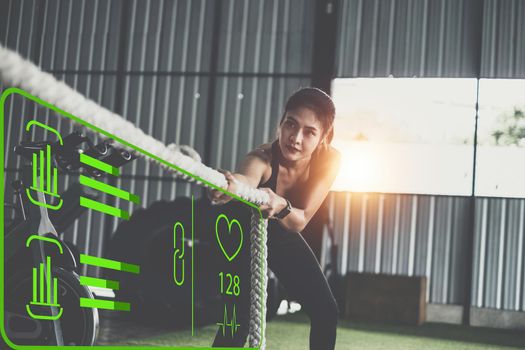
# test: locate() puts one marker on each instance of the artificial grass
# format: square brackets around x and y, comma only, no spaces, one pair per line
[291,332]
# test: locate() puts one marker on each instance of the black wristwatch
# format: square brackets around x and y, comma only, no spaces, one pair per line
[286,210]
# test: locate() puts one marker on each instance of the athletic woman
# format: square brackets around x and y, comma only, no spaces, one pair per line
[297,171]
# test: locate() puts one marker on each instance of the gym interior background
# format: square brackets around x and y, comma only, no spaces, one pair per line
[215,75]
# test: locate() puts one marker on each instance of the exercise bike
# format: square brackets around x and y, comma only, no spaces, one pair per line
[32,241]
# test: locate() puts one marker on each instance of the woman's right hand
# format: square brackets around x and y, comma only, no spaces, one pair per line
[218,197]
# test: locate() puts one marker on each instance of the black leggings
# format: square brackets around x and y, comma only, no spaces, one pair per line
[295,265]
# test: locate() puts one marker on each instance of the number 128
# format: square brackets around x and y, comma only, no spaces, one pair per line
[233,281]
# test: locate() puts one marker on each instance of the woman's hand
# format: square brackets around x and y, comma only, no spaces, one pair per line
[217,197]
[275,204]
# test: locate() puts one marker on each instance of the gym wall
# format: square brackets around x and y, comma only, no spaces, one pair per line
[429,235]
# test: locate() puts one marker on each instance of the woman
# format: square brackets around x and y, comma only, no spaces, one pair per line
[297,171]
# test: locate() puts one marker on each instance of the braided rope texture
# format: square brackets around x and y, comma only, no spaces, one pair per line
[18,72]
[259,281]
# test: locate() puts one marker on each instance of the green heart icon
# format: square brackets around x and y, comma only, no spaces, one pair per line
[230,224]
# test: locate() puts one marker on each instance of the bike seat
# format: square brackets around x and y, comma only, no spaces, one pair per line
[27,148]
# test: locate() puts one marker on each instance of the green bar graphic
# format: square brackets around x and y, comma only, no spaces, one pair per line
[104,208]
[103,187]
[55,289]
[48,279]
[48,159]
[100,165]
[192,275]
[34,284]
[99,282]
[41,283]
[41,184]
[104,304]
[109,264]
[55,180]
[35,163]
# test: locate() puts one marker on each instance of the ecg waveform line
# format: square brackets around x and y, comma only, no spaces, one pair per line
[232,324]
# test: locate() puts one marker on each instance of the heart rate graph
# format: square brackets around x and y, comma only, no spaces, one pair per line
[229,321]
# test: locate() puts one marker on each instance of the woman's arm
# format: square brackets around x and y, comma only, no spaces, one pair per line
[250,171]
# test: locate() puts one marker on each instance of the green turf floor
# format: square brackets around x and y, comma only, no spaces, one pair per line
[290,332]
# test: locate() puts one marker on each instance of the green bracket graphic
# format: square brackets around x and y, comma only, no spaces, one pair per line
[45,239]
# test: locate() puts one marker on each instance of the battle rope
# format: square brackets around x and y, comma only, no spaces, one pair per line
[18,72]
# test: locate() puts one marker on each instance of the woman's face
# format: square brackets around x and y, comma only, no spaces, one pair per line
[299,134]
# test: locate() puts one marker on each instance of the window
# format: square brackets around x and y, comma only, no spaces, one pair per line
[500,166]
[405,135]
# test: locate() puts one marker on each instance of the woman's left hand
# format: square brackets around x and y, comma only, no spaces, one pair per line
[275,204]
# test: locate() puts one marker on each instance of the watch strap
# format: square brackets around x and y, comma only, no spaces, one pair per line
[286,210]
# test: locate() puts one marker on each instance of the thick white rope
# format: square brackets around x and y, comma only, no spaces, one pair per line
[258,268]
[18,72]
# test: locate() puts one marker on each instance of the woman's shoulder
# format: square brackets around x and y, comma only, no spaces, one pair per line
[260,158]
[327,161]
[329,154]
[264,152]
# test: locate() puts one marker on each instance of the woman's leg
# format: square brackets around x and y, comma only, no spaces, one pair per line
[296,267]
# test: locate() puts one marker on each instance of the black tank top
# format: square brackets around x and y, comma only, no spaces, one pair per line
[272,181]
[276,155]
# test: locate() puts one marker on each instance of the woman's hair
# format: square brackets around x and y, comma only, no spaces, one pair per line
[317,101]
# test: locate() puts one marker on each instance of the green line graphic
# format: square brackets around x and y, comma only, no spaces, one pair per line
[104,304]
[35,159]
[55,286]
[55,180]
[41,283]
[104,208]
[48,168]
[99,282]
[98,164]
[34,284]
[41,184]
[48,279]
[112,190]
[109,264]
